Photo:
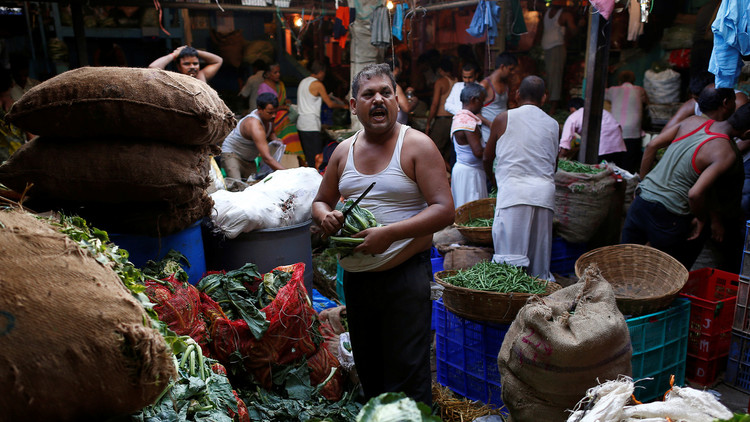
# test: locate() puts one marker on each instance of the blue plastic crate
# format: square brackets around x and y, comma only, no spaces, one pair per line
[659,342]
[564,256]
[466,353]
[738,364]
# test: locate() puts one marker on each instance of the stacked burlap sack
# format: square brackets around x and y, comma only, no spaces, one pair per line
[582,201]
[126,148]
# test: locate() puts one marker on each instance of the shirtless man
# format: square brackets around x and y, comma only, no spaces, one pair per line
[186,60]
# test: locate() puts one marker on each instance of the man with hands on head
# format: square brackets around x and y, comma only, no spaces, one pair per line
[387,278]
[186,60]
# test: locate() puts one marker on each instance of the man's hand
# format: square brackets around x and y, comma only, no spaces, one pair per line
[332,222]
[696,227]
[376,241]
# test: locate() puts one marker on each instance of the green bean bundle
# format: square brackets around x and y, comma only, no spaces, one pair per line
[478,222]
[576,167]
[494,277]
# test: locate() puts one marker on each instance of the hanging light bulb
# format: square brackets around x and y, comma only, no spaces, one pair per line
[298,22]
[389,5]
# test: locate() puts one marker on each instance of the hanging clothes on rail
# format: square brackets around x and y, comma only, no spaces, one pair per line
[486,18]
[381,28]
[731,30]
[398,20]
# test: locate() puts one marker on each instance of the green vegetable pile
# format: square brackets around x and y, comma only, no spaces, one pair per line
[357,220]
[500,278]
[737,418]
[478,222]
[576,167]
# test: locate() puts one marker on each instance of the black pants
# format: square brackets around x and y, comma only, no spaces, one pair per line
[312,145]
[633,156]
[389,316]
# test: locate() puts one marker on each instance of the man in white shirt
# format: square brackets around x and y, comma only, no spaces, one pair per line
[468,75]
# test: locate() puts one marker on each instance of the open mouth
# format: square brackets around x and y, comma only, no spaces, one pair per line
[379,113]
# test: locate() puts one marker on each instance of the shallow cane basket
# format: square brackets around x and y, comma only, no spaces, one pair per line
[479,305]
[645,279]
[481,208]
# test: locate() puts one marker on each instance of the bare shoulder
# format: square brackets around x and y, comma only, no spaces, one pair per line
[414,137]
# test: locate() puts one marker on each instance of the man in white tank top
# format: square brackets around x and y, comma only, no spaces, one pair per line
[559,25]
[310,94]
[387,279]
[524,140]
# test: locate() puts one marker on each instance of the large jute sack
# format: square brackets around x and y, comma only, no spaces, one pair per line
[561,345]
[73,344]
[154,219]
[126,102]
[581,203]
[460,257]
[107,170]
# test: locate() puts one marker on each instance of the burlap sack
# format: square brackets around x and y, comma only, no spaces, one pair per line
[111,171]
[463,257]
[581,203]
[125,102]
[73,344]
[561,345]
[154,219]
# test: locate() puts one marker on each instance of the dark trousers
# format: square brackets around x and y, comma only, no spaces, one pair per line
[389,316]
[312,145]
[633,155]
[666,231]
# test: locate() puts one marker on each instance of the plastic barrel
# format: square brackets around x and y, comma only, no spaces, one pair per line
[266,248]
[188,242]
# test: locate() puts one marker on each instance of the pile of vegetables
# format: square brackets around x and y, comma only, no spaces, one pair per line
[357,220]
[478,222]
[576,167]
[496,277]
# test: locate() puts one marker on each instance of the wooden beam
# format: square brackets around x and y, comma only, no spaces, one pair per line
[79,32]
[597,61]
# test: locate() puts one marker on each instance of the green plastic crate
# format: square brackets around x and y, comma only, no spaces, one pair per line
[659,343]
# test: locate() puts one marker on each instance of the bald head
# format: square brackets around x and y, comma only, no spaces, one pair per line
[532,90]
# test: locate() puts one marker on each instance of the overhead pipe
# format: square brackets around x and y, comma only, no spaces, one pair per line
[449,5]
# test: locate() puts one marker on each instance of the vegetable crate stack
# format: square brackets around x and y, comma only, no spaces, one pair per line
[738,365]
[713,296]
[128,149]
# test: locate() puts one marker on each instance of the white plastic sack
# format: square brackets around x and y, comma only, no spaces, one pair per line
[346,358]
[662,87]
[284,198]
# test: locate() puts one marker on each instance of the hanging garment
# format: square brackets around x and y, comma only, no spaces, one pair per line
[516,23]
[381,29]
[605,7]
[635,26]
[731,30]
[486,18]
[398,20]
[341,25]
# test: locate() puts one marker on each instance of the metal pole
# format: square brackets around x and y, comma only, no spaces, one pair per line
[597,59]
[80,33]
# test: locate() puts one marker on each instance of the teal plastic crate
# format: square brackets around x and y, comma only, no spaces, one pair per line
[659,342]
[466,354]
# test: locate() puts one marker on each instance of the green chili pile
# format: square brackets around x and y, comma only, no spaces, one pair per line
[478,222]
[576,167]
[494,277]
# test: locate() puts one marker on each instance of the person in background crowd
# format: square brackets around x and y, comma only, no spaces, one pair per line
[11,137]
[611,145]
[627,102]
[252,138]
[310,94]
[19,67]
[406,102]
[691,108]
[387,279]
[497,86]
[109,53]
[284,128]
[558,26]
[250,89]
[186,60]
[468,180]
[524,140]
[439,120]
[468,75]
[671,207]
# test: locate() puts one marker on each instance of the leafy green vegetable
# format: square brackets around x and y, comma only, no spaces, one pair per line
[395,407]
[576,167]
[170,265]
[497,277]
[478,222]
[738,417]
[234,298]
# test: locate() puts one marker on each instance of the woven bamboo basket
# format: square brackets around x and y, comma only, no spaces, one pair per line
[481,208]
[645,279]
[478,305]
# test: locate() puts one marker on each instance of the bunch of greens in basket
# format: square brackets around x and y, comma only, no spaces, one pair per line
[495,277]
[576,167]
[478,222]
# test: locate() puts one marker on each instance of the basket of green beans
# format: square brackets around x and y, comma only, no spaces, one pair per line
[474,220]
[490,292]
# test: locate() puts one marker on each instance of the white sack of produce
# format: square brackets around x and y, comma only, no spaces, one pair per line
[127,102]
[283,198]
[662,87]
[561,345]
[608,403]
[73,344]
